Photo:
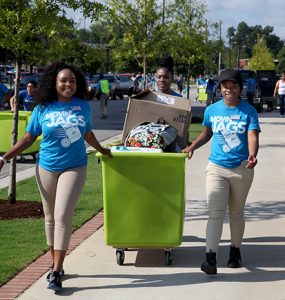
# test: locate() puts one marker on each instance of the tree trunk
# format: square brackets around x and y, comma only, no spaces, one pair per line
[12,174]
[144,73]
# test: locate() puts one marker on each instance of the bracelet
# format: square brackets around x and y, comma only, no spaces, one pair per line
[3,159]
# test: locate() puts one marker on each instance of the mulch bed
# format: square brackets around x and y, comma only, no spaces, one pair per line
[20,210]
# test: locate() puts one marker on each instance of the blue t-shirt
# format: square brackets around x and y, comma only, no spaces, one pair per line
[26,99]
[251,85]
[3,91]
[62,125]
[230,126]
[173,93]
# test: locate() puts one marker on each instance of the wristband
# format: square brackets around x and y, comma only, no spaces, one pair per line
[3,159]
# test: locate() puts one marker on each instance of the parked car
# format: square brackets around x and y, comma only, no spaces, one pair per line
[126,85]
[114,82]
[267,80]
[149,83]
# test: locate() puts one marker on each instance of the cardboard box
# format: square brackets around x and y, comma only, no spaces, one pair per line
[149,106]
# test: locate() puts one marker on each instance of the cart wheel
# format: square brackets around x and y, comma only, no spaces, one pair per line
[168,257]
[120,254]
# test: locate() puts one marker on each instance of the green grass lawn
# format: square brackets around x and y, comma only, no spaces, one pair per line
[23,240]
[195,130]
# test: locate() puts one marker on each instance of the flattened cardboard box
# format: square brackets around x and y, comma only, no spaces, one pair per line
[149,106]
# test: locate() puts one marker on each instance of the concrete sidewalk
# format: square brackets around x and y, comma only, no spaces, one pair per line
[92,271]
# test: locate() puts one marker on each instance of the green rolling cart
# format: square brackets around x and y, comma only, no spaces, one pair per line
[144,201]
[6,125]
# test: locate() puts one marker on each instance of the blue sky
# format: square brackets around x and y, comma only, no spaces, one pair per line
[232,12]
[253,12]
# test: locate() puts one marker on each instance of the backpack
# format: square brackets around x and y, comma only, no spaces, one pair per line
[151,135]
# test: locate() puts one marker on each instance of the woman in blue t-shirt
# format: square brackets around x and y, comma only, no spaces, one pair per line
[63,118]
[234,126]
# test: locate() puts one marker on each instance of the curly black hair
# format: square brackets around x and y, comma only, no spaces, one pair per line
[47,89]
[167,63]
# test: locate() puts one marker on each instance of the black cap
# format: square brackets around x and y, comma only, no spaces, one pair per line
[232,75]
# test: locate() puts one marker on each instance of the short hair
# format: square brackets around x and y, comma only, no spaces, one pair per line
[33,82]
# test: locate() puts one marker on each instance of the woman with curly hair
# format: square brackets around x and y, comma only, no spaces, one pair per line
[63,118]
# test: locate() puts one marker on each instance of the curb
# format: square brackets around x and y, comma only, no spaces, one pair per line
[39,267]
[31,273]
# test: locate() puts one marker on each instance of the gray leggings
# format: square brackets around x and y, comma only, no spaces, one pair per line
[226,188]
[60,192]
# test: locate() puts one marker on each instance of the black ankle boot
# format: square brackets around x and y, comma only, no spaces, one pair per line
[234,258]
[210,265]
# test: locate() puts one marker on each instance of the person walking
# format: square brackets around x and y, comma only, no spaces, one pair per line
[210,90]
[179,84]
[234,126]
[280,91]
[26,97]
[63,118]
[251,88]
[4,93]
[103,89]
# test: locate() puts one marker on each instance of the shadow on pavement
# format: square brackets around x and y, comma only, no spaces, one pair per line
[254,211]
[262,263]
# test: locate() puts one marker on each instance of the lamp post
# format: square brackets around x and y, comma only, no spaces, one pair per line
[276,62]
[239,47]
[163,12]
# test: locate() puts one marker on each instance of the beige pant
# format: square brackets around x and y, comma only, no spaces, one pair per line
[104,103]
[226,188]
[60,192]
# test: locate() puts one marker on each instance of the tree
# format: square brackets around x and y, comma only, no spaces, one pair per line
[247,36]
[187,32]
[262,58]
[140,34]
[281,61]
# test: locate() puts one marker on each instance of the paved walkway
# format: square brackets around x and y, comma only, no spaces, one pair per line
[92,271]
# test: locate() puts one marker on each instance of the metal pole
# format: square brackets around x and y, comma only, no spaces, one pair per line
[220,53]
[238,55]
[163,12]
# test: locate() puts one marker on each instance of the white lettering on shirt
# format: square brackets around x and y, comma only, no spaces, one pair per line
[64,118]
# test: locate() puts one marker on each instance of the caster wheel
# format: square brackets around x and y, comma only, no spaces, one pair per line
[120,255]
[168,257]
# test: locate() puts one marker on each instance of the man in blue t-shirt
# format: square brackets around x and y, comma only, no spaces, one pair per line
[4,91]
[250,88]
[26,97]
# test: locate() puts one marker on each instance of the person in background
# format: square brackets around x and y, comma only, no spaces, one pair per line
[164,76]
[26,97]
[210,90]
[251,88]
[233,125]
[4,93]
[137,83]
[201,82]
[280,90]
[103,89]
[64,119]
[180,84]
